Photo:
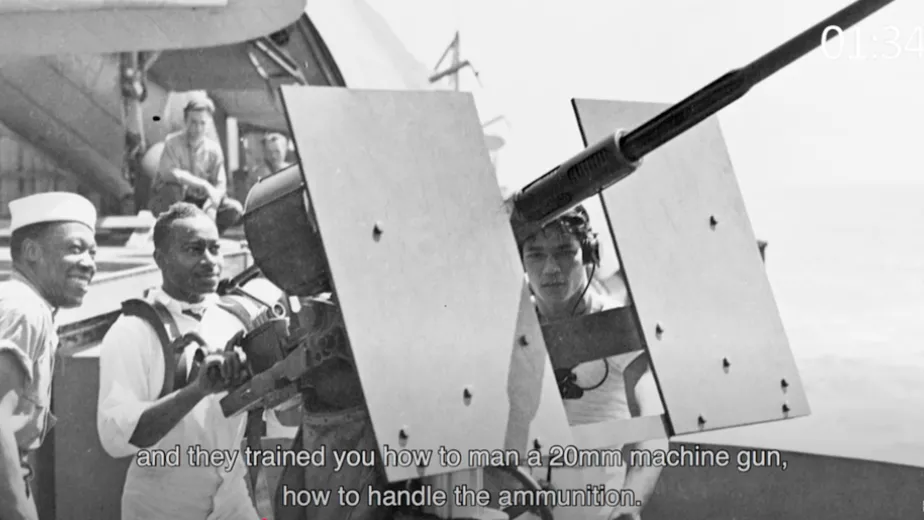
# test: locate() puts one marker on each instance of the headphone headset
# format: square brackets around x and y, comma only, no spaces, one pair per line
[590,246]
[579,225]
[590,249]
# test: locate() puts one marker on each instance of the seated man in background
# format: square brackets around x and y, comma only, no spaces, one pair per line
[192,169]
[275,149]
[557,260]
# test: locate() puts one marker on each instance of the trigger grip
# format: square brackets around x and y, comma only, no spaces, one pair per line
[190,338]
[235,341]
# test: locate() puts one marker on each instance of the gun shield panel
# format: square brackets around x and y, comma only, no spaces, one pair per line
[702,298]
[423,262]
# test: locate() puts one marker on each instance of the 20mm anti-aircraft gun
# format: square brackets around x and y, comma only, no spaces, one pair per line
[395,210]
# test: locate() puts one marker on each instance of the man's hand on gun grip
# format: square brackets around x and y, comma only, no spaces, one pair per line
[221,371]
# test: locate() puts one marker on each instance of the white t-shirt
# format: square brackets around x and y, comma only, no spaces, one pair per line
[604,403]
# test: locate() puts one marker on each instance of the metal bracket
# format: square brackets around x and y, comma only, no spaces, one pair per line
[591,337]
[279,56]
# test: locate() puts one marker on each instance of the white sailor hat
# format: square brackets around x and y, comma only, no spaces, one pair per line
[55,206]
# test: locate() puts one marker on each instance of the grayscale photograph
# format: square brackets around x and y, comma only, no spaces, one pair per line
[461,260]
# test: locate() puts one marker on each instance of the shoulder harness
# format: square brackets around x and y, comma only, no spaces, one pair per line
[176,372]
[172,342]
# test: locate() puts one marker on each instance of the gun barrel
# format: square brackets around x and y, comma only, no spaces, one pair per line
[614,158]
[733,85]
[588,172]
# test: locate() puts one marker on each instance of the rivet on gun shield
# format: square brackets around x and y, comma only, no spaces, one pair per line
[659,330]
[713,222]
[726,364]
[522,341]
[377,231]
[467,395]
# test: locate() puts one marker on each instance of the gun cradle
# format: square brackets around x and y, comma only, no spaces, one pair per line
[282,365]
[267,389]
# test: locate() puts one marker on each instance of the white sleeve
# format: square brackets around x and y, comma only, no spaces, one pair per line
[620,362]
[19,358]
[131,374]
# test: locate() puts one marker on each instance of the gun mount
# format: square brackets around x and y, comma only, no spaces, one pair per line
[395,210]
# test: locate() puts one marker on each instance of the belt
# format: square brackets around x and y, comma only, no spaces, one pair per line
[201,203]
[194,200]
[28,473]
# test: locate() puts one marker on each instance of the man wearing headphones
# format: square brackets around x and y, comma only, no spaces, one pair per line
[560,261]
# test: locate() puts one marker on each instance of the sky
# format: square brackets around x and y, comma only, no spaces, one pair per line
[847,116]
[536,55]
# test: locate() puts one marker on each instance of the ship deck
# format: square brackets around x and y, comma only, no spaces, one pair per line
[111,259]
[115,254]
[125,268]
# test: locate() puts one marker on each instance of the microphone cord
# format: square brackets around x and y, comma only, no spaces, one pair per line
[606,374]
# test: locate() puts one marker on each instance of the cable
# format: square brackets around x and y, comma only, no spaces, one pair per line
[590,279]
[606,374]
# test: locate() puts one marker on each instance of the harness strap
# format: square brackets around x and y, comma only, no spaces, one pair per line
[233,307]
[256,426]
[254,431]
[175,364]
[168,333]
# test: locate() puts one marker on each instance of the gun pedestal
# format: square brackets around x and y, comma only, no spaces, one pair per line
[472,479]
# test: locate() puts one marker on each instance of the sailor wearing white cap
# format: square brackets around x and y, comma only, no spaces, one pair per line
[53,247]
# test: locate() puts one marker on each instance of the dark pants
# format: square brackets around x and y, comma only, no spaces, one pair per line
[227,215]
[347,430]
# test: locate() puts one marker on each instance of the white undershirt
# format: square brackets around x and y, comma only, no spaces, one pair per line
[131,377]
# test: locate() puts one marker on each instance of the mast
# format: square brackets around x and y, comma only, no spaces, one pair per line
[133,68]
[455,64]
[496,126]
